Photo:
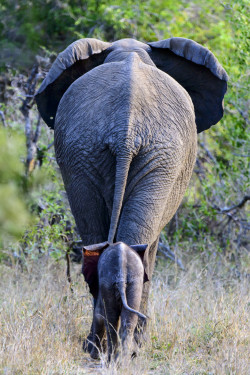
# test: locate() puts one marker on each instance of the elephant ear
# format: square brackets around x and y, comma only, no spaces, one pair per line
[140,249]
[76,60]
[90,261]
[198,71]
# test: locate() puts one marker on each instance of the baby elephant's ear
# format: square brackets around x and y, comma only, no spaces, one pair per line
[140,249]
[91,256]
[96,247]
[198,71]
[76,60]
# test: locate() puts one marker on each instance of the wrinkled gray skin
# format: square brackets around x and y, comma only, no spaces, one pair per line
[120,279]
[126,132]
[112,135]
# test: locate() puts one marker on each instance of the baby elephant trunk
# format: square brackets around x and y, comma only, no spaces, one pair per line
[121,288]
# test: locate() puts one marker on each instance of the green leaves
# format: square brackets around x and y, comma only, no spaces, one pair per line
[13,213]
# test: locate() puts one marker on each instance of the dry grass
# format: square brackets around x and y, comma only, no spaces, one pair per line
[199,323]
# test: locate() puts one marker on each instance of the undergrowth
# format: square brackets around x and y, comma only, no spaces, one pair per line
[199,322]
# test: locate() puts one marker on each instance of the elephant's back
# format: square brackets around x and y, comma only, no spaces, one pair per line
[114,107]
[124,103]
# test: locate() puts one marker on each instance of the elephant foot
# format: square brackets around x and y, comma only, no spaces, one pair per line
[94,354]
[87,344]
[140,333]
[94,349]
[120,357]
[134,350]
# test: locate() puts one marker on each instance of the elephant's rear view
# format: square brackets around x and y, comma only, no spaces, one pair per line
[118,139]
[126,117]
[120,281]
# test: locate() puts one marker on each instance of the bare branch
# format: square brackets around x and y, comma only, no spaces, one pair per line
[50,145]
[28,101]
[165,250]
[30,91]
[240,205]
[68,270]
[242,156]
[209,154]
[31,146]
[243,114]
[169,254]
[38,129]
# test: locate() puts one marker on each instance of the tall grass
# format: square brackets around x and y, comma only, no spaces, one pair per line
[199,323]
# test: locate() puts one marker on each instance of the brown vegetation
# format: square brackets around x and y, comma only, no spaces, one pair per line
[199,322]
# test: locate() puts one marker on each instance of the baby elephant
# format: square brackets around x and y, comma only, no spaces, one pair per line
[120,281]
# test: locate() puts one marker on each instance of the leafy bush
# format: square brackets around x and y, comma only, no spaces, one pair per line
[13,213]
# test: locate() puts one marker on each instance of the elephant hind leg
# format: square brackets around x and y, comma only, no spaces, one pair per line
[89,209]
[112,310]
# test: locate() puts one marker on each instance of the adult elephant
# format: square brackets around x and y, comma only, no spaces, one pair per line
[126,116]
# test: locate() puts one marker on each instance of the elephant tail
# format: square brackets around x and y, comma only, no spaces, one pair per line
[121,288]
[122,169]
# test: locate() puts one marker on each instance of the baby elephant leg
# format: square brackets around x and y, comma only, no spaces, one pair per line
[98,331]
[128,324]
[129,319]
[111,323]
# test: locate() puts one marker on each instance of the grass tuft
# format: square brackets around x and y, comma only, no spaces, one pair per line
[199,323]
